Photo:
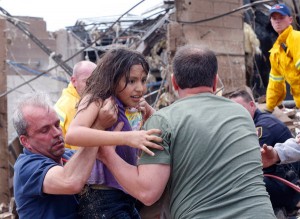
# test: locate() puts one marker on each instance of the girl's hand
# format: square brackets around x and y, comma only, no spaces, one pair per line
[144,139]
[145,108]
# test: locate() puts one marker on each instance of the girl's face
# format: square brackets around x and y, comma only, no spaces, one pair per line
[136,87]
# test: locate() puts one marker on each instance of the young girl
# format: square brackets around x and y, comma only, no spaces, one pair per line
[121,73]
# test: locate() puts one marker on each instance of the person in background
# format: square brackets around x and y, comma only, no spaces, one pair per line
[284,59]
[66,104]
[121,74]
[270,131]
[210,166]
[47,175]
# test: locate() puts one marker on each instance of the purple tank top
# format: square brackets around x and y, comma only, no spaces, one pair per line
[100,174]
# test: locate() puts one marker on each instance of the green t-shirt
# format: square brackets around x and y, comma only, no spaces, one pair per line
[212,148]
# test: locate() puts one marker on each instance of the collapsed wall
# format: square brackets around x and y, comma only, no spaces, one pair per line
[223,35]
[4,172]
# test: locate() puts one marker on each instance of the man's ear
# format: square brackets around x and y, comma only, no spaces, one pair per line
[252,104]
[215,83]
[174,83]
[73,80]
[24,142]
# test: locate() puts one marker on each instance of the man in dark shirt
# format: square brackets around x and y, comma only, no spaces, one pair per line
[270,131]
[43,186]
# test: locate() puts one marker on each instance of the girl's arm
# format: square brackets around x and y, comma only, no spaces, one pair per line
[81,134]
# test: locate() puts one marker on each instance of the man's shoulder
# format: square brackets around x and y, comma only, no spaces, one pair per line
[27,155]
[296,33]
[272,124]
[206,100]
[293,38]
[30,162]
[261,115]
[268,119]
[65,104]
[66,99]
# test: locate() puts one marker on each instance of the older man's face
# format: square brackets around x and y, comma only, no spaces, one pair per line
[44,135]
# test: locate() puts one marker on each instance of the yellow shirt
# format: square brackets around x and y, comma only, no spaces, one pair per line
[66,109]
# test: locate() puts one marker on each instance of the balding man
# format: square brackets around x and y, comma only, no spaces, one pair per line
[66,104]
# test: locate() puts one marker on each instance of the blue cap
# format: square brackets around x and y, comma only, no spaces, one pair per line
[281,9]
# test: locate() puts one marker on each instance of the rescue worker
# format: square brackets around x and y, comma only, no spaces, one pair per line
[65,107]
[270,131]
[284,59]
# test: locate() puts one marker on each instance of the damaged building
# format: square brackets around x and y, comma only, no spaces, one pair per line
[33,58]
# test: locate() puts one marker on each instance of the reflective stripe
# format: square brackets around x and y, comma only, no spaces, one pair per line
[298,65]
[61,115]
[276,78]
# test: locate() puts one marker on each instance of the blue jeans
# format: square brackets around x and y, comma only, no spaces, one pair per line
[106,204]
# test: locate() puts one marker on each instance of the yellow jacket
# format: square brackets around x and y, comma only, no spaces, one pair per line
[285,67]
[65,107]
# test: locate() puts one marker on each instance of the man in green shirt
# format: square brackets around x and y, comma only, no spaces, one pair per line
[210,166]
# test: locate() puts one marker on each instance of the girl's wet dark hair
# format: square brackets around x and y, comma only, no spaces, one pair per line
[112,66]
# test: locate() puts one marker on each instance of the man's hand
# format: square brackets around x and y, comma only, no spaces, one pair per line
[107,116]
[269,156]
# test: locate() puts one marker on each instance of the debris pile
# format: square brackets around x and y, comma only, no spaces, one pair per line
[8,212]
[145,33]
